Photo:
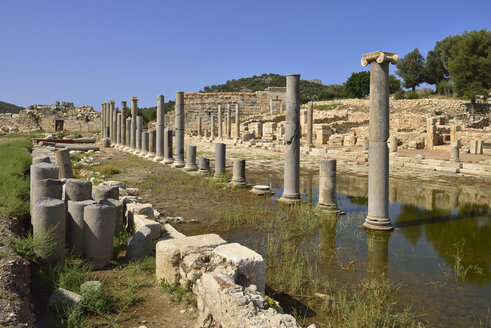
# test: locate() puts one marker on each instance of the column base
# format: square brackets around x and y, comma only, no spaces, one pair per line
[262,190]
[158,158]
[238,184]
[150,156]
[330,208]
[376,223]
[191,167]
[168,161]
[178,164]
[204,172]
[290,198]
[143,154]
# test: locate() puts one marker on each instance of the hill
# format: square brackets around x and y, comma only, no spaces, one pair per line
[9,108]
[308,90]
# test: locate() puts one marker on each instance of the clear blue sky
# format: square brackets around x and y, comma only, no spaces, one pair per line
[91,51]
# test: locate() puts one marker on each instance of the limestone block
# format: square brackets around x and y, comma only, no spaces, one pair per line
[89,287]
[140,244]
[141,221]
[228,305]
[133,209]
[169,253]
[249,263]
[119,184]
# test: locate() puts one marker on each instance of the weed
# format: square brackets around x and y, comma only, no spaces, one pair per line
[73,274]
[106,170]
[178,293]
[147,264]
[120,242]
[35,248]
[3,254]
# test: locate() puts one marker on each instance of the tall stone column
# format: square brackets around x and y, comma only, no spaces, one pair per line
[237,122]
[271,107]
[139,131]
[151,144]
[220,131]
[310,122]
[118,130]
[128,134]
[103,117]
[108,119]
[123,125]
[229,121]
[179,113]
[134,110]
[291,174]
[159,138]
[168,134]
[378,153]
[112,126]
[212,126]
[199,124]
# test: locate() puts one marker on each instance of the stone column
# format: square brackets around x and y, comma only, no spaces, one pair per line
[291,174]
[47,188]
[271,107]
[134,111]
[123,125]
[112,127]
[152,138]
[159,138]
[191,159]
[106,192]
[118,205]
[138,135]
[378,154]
[204,165]
[431,135]
[237,122]
[78,190]
[393,144]
[103,124]
[229,121]
[64,163]
[168,134]
[327,185]
[239,175]
[199,124]
[144,150]
[108,119]
[212,126]
[128,134]
[39,172]
[99,222]
[75,225]
[179,125]
[50,214]
[220,160]
[220,132]
[454,154]
[118,130]
[310,122]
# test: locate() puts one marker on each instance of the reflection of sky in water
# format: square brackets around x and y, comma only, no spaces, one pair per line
[433,225]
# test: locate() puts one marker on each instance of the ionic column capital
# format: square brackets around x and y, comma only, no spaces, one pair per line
[134,98]
[379,57]
[112,102]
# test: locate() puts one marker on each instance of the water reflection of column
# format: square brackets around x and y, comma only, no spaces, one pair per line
[378,254]
[392,194]
[308,186]
[327,241]
[429,199]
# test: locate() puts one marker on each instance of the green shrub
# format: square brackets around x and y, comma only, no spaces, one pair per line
[34,248]
[72,275]
[399,95]
[412,95]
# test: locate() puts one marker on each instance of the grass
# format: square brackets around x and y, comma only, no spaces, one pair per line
[35,248]
[178,293]
[15,162]
[106,170]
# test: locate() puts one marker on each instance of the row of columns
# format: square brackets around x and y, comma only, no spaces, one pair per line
[220,119]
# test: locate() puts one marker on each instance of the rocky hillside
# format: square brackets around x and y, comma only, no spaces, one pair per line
[9,108]
[308,90]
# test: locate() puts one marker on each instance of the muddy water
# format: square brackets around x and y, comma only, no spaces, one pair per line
[439,252]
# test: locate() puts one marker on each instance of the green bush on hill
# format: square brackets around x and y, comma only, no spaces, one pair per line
[9,108]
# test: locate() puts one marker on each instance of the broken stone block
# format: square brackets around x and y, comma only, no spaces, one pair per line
[119,184]
[249,263]
[140,244]
[62,298]
[142,221]
[169,253]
